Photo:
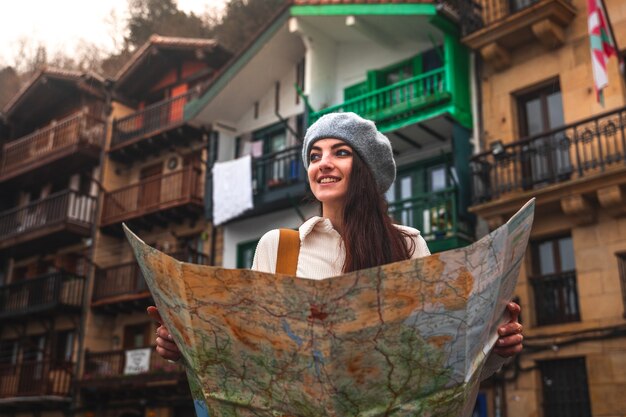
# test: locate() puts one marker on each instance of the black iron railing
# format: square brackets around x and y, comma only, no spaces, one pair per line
[57,289]
[155,118]
[577,150]
[277,170]
[556,298]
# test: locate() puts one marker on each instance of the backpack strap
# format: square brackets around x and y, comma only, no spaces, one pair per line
[288,251]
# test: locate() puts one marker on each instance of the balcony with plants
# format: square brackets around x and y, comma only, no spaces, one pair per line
[156,200]
[153,128]
[61,218]
[61,147]
[570,165]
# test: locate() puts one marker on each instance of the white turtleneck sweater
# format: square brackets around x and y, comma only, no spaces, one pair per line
[321,249]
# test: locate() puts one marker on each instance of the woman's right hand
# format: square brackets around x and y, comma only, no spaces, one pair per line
[165,345]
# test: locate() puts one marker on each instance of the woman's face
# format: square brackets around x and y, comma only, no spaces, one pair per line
[330,165]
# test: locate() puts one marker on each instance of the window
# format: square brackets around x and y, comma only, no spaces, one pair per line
[245,253]
[565,391]
[63,346]
[136,336]
[621,265]
[554,281]
[299,80]
[417,199]
[546,158]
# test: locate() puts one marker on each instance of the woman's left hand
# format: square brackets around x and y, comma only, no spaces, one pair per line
[510,341]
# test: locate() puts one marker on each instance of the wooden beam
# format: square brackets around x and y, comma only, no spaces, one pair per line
[408,140]
[432,132]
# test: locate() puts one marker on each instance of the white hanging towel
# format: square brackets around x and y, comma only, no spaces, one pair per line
[232,189]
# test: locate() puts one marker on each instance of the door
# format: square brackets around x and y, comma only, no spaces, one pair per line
[150,189]
[545,159]
[33,374]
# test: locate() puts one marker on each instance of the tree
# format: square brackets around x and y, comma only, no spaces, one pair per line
[241,20]
[148,17]
[9,84]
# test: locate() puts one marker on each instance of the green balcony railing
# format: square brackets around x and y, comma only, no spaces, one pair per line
[435,215]
[398,100]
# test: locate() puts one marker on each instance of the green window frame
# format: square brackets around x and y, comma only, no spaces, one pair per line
[245,253]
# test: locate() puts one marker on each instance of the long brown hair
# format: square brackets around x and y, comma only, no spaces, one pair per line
[369,236]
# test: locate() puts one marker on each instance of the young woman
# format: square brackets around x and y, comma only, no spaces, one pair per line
[350,166]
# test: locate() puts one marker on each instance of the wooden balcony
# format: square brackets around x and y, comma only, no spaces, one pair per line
[35,382]
[508,24]
[436,216]
[158,200]
[399,104]
[57,292]
[556,298]
[110,376]
[60,219]
[582,161]
[156,127]
[61,148]
[122,288]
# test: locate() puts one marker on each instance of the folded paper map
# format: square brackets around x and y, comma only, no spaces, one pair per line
[404,339]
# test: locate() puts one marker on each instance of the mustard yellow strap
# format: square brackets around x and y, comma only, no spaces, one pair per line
[288,251]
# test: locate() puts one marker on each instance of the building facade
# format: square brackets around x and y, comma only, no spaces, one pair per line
[543,134]
[54,135]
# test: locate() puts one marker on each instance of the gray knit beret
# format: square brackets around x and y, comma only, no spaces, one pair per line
[361,134]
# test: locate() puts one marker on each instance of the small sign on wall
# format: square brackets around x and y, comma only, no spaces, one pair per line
[137,361]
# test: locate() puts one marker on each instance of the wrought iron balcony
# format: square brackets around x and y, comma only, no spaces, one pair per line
[556,298]
[36,379]
[156,200]
[61,218]
[402,100]
[152,128]
[278,179]
[574,152]
[62,145]
[54,292]
[436,216]
[122,288]
[113,367]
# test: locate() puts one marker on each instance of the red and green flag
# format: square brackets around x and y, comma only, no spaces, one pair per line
[603,45]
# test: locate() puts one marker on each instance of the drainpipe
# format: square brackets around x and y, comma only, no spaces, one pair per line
[94,229]
[476,94]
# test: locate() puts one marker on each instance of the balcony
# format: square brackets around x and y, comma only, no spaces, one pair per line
[122,288]
[436,216]
[60,219]
[40,380]
[508,24]
[278,179]
[59,149]
[556,298]
[112,374]
[57,292]
[157,127]
[160,199]
[410,101]
[586,158]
